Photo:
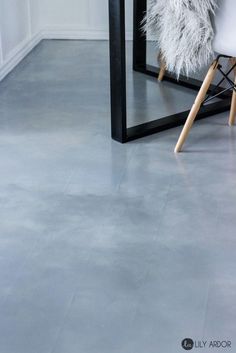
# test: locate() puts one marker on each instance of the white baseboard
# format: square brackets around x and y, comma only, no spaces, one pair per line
[74,32]
[50,32]
[16,55]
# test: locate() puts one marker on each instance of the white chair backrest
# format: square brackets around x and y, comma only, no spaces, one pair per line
[225,26]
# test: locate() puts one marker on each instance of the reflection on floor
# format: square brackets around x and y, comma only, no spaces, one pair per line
[108,248]
[148,100]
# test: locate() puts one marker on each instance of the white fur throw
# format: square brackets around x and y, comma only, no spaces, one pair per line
[183,31]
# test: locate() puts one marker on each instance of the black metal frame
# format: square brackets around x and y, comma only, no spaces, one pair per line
[119,130]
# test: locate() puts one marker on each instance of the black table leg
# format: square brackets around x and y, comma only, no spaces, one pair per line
[139,37]
[118,70]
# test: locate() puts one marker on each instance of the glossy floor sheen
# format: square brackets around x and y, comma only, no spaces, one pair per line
[108,248]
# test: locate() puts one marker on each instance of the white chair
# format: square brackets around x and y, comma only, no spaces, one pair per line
[225,45]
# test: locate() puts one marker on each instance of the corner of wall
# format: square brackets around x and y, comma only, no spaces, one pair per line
[38,31]
[16,55]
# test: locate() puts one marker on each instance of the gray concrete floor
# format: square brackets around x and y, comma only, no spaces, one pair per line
[109,248]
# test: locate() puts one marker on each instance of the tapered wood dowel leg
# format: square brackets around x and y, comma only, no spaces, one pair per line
[162,68]
[196,106]
[233,109]
[233,102]
[161,72]
[232,62]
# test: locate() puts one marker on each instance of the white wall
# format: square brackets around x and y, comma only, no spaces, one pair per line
[1,57]
[35,21]
[23,23]
[83,19]
[17,33]
[14,23]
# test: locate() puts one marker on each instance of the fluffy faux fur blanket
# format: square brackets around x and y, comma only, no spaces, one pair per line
[183,31]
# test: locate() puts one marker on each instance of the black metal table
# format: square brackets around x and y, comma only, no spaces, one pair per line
[119,129]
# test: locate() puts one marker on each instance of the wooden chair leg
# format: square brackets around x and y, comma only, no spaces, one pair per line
[233,102]
[162,68]
[161,72]
[232,62]
[233,109]
[196,106]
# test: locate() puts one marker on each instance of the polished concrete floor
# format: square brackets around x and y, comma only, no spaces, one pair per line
[109,248]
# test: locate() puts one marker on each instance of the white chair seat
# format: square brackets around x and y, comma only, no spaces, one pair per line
[225,27]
